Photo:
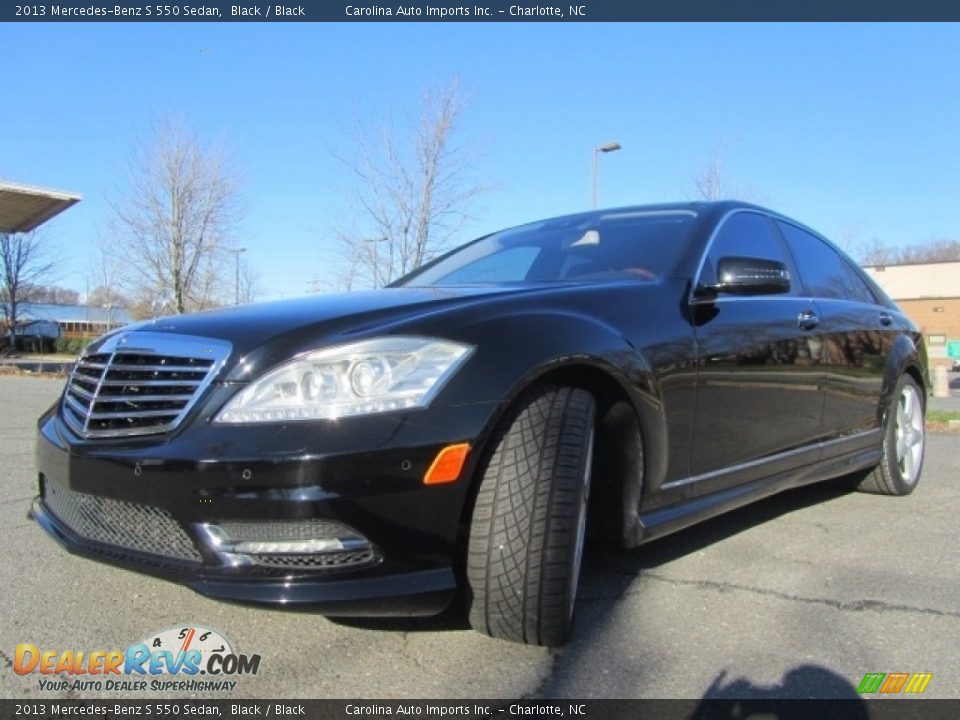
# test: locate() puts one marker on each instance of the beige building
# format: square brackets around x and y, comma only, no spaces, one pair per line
[930,294]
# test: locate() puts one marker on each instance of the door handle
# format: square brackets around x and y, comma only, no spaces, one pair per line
[807,320]
[886,318]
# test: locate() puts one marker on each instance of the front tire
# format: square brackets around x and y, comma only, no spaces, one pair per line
[904,442]
[529,521]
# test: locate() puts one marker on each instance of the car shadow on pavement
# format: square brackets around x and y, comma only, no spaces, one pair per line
[628,564]
[455,617]
[709,532]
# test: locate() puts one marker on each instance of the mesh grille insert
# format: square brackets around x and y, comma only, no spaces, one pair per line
[292,530]
[344,558]
[120,523]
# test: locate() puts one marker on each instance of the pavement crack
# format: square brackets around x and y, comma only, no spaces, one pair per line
[407,651]
[5,659]
[556,657]
[844,605]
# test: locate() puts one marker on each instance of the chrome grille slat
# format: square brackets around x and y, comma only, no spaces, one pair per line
[90,366]
[134,397]
[77,390]
[173,412]
[139,383]
[128,432]
[201,369]
[149,383]
[76,407]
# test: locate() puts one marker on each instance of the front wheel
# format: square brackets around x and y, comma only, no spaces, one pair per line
[904,441]
[529,521]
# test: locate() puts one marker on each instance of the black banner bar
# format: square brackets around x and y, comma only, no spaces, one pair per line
[565,11]
[711,709]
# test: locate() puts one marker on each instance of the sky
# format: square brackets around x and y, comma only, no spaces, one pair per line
[853,129]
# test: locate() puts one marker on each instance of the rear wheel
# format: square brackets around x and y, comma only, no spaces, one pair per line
[904,441]
[529,521]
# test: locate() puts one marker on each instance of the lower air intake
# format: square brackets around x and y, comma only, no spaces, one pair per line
[119,523]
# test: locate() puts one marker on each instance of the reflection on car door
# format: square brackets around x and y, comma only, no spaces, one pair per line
[760,376]
[858,333]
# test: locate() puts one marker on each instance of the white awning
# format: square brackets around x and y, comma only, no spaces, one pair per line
[24,208]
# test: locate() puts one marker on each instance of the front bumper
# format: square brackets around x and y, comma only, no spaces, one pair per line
[165,506]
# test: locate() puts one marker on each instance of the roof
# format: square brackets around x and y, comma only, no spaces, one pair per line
[29,312]
[24,208]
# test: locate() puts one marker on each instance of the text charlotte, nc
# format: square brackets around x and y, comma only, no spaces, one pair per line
[464,11]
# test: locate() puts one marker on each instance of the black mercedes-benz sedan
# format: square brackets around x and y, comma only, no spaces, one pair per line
[627,371]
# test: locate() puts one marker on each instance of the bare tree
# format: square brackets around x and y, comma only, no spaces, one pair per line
[414,192]
[23,262]
[175,223]
[107,297]
[107,271]
[876,253]
[708,183]
[49,294]
[249,289]
[712,184]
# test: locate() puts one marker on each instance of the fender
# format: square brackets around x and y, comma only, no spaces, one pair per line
[588,352]
[906,354]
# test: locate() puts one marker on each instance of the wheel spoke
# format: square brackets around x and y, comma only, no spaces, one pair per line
[910,405]
[901,414]
[907,465]
[909,434]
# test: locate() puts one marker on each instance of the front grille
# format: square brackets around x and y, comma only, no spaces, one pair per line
[139,383]
[120,523]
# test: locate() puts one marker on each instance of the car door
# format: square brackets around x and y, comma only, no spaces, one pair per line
[858,332]
[759,367]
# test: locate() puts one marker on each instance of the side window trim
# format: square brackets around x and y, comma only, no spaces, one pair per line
[801,282]
[862,276]
[851,267]
[708,247]
[777,236]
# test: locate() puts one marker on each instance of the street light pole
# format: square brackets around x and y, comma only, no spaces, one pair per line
[236,256]
[609,147]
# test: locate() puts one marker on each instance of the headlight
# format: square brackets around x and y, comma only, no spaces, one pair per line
[372,376]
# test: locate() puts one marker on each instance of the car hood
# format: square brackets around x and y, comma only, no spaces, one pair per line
[321,319]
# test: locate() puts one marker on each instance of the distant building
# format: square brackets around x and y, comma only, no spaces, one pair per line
[48,320]
[930,294]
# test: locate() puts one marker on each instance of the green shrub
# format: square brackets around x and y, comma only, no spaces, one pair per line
[71,345]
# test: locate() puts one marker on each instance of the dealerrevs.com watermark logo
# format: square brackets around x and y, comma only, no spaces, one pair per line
[181,658]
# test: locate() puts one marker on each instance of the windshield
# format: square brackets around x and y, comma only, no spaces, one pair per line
[641,245]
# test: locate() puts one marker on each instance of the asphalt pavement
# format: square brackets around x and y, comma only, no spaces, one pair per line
[796,596]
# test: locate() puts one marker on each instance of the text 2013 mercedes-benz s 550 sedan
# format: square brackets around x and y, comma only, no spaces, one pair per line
[631,371]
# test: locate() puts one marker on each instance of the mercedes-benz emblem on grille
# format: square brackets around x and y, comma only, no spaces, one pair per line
[139,383]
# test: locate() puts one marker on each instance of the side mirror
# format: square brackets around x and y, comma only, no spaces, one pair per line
[750,276]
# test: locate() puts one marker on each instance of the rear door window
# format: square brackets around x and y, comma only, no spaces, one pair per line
[824,272]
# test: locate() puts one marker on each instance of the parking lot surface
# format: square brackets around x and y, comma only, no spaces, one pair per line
[796,596]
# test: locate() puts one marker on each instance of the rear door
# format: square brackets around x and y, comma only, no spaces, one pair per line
[858,333]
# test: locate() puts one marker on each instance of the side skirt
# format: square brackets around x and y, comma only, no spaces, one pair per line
[664,521]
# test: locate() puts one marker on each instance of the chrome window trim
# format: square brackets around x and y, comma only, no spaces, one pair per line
[693,299]
[766,460]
